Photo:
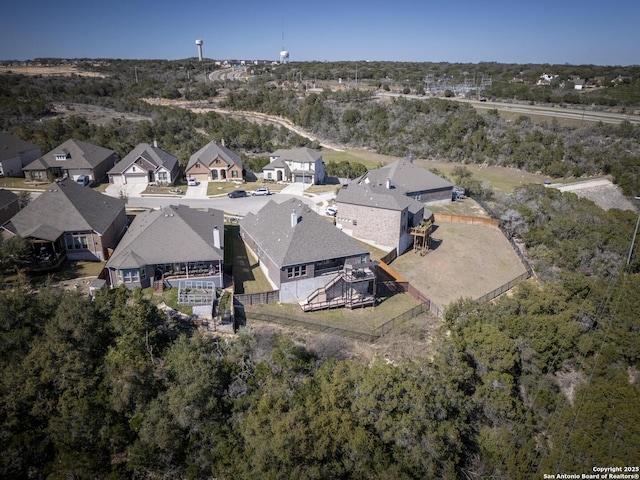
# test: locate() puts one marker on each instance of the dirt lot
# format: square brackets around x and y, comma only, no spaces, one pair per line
[466,261]
[58,71]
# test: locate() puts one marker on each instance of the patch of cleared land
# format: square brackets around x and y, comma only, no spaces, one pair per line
[467,261]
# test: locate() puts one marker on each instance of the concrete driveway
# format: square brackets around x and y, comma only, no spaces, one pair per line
[131,190]
[197,191]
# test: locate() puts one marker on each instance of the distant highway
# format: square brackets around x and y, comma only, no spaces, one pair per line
[228,74]
[582,115]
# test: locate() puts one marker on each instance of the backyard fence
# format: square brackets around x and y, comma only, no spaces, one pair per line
[257,298]
[196,292]
[441,217]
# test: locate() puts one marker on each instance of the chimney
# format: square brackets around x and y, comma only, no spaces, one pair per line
[155,143]
[222,142]
[216,237]
[388,184]
[294,218]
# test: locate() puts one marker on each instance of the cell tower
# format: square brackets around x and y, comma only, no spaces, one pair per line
[199,44]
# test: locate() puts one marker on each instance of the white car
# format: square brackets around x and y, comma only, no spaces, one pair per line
[331,211]
[192,182]
[261,191]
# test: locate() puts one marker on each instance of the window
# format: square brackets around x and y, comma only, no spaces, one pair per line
[234,174]
[129,275]
[354,221]
[61,156]
[269,176]
[299,271]
[76,241]
[162,176]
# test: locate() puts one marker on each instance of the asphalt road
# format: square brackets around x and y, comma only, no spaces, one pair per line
[234,206]
[545,110]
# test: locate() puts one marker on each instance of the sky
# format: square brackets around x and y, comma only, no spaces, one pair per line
[466,31]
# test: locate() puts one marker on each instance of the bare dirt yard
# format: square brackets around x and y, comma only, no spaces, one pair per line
[49,70]
[466,261]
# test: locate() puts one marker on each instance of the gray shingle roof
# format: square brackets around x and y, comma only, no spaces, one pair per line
[66,207]
[311,239]
[173,234]
[212,150]
[7,197]
[302,154]
[81,155]
[154,155]
[406,176]
[11,146]
[377,196]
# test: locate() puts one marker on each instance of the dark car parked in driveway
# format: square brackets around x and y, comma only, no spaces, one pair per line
[237,194]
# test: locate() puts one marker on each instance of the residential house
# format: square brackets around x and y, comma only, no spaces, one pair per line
[9,205]
[15,154]
[215,162]
[307,259]
[579,83]
[174,241]
[69,221]
[72,159]
[145,164]
[380,215]
[295,165]
[413,181]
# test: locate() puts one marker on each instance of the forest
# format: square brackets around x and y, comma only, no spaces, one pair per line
[544,380]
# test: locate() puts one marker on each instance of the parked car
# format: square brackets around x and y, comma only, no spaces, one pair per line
[237,194]
[261,191]
[83,180]
[331,211]
[192,182]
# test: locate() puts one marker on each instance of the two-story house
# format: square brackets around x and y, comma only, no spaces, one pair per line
[295,165]
[379,215]
[413,181]
[72,159]
[307,259]
[215,162]
[145,164]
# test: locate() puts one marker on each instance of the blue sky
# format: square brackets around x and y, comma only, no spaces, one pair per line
[536,31]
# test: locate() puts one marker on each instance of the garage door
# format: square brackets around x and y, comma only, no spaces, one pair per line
[115,179]
[137,178]
[202,177]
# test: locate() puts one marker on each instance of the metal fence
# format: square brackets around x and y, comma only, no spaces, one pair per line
[196,292]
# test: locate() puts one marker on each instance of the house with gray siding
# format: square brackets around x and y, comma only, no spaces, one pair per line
[69,221]
[15,153]
[307,259]
[173,242]
[72,159]
[413,181]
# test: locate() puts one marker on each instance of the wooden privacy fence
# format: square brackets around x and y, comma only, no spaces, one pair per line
[257,298]
[441,217]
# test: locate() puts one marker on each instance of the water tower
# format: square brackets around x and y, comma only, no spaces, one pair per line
[284,56]
[199,44]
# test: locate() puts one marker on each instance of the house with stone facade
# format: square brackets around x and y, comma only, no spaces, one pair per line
[72,159]
[307,259]
[302,165]
[15,154]
[145,164]
[380,215]
[69,221]
[173,242]
[215,162]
